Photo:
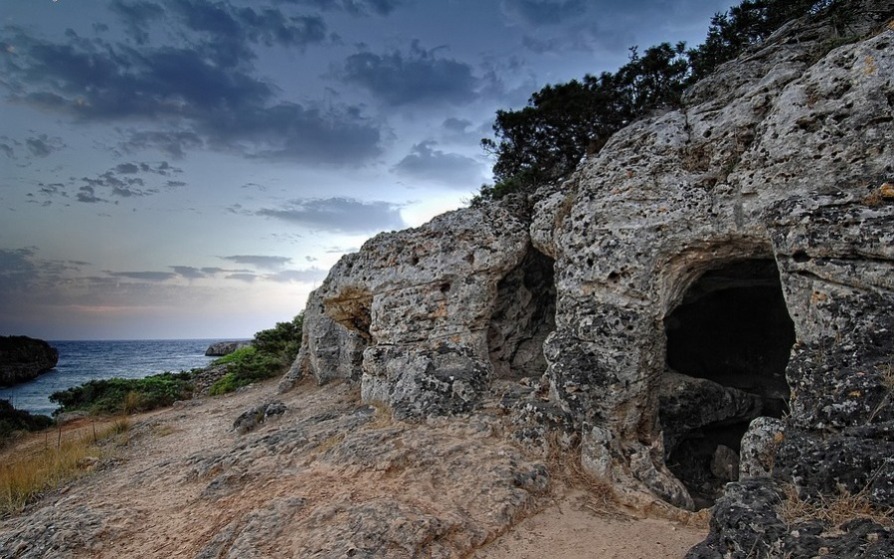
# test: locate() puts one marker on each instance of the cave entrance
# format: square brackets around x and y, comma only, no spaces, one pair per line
[524,314]
[728,344]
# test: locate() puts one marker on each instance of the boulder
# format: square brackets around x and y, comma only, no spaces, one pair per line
[219,349]
[23,358]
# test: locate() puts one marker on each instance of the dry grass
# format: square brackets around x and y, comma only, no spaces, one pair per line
[29,471]
[833,511]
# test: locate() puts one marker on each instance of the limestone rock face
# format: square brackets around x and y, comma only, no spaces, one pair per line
[409,315]
[710,265]
[23,358]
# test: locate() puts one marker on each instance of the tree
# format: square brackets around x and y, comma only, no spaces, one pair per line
[545,140]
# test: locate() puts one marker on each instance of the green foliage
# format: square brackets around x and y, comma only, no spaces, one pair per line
[545,140]
[283,340]
[271,352]
[117,395]
[13,421]
[240,354]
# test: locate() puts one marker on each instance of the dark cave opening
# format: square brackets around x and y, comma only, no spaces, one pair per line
[728,344]
[524,314]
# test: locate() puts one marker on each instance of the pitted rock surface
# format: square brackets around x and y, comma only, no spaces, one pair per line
[784,156]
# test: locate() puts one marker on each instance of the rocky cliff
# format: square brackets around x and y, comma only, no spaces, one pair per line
[23,358]
[709,299]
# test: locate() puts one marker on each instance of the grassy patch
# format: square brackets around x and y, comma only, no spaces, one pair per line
[832,510]
[117,395]
[29,472]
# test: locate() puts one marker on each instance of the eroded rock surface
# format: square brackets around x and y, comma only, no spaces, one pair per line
[767,195]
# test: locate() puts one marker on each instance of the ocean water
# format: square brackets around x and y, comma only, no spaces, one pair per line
[82,361]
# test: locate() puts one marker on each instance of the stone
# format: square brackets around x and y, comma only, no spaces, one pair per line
[23,359]
[759,445]
[251,419]
[219,349]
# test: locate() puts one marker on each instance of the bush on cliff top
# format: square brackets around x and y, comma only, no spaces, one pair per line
[545,140]
[13,422]
[271,352]
[118,395]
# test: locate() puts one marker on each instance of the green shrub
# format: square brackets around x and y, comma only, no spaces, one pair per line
[271,352]
[13,421]
[117,395]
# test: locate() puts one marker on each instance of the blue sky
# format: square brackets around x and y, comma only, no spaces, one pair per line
[192,168]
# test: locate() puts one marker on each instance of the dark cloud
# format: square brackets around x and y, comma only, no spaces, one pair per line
[18,270]
[175,144]
[417,77]
[127,168]
[203,86]
[125,180]
[355,7]
[188,272]
[259,261]
[23,274]
[87,195]
[42,145]
[144,276]
[424,162]
[456,125]
[543,12]
[7,150]
[137,16]
[341,215]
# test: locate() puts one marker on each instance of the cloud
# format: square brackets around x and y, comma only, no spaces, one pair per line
[247,277]
[188,272]
[340,215]
[354,7]
[17,269]
[136,17]
[299,276]
[537,13]
[175,144]
[87,195]
[204,85]
[42,145]
[424,162]
[417,77]
[259,261]
[144,276]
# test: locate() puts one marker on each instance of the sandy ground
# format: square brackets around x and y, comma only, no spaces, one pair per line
[573,529]
[149,506]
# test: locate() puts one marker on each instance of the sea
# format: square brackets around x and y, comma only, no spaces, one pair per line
[83,361]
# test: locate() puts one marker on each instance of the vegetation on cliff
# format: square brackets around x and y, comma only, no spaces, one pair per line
[271,352]
[545,140]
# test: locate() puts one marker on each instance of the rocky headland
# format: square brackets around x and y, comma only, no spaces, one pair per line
[700,317]
[219,349]
[23,358]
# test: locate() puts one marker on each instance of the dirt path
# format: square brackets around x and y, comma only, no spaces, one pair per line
[181,483]
[572,529]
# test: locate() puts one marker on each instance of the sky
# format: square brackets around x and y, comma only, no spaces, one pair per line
[193,168]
